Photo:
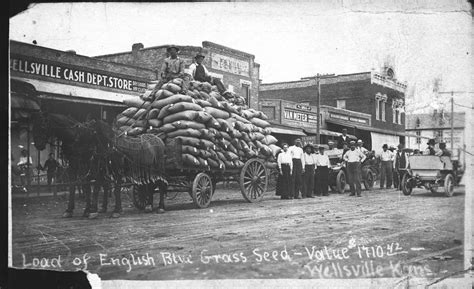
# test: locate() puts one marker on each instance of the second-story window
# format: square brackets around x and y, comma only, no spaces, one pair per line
[418,136]
[246,93]
[377,109]
[341,103]
[383,104]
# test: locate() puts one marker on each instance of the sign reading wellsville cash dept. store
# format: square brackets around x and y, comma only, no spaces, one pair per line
[75,74]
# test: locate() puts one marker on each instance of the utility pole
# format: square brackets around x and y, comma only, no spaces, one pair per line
[318,108]
[452,122]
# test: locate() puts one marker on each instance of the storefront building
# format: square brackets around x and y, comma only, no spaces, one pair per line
[65,83]
[291,120]
[437,126]
[236,69]
[370,105]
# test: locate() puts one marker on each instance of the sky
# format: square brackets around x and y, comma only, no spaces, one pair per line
[289,40]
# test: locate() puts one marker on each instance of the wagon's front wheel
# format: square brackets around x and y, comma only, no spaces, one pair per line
[406,187]
[202,190]
[253,180]
[449,185]
[139,194]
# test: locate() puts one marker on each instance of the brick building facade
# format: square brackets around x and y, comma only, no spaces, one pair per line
[66,83]
[378,96]
[238,70]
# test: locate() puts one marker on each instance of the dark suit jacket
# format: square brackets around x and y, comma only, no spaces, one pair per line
[400,160]
[341,141]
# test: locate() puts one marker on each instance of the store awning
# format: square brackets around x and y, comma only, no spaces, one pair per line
[326,132]
[287,131]
[81,100]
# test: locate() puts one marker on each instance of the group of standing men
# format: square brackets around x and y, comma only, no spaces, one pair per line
[303,171]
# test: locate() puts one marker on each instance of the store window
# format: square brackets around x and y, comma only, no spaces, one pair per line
[438,135]
[383,104]
[377,109]
[246,93]
[269,111]
[418,137]
[341,103]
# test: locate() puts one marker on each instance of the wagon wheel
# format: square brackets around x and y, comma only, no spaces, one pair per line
[341,182]
[369,180]
[253,180]
[139,196]
[202,190]
[406,187]
[449,185]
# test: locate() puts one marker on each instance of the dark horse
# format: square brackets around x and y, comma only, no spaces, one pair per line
[93,160]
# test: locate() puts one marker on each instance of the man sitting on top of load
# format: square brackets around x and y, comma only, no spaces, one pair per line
[199,72]
[431,150]
[173,67]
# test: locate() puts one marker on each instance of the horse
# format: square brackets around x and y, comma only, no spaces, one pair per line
[88,148]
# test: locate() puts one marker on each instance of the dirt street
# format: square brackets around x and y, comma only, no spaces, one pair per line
[382,234]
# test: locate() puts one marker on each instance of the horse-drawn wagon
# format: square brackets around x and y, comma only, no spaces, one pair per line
[170,173]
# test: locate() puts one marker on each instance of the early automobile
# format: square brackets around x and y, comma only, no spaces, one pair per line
[430,172]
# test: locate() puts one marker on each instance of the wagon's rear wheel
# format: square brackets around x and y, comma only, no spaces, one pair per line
[139,196]
[449,185]
[369,180]
[253,180]
[406,187]
[202,190]
[341,182]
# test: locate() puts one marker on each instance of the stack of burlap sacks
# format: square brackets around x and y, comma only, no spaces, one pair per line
[213,130]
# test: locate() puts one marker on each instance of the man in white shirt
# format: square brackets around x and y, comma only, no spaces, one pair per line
[322,171]
[297,177]
[386,158]
[24,166]
[353,160]
[360,147]
[199,72]
[309,162]
[285,165]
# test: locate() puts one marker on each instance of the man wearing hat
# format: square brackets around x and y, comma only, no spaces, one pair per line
[322,170]
[297,177]
[342,139]
[399,165]
[386,158]
[199,72]
[173,66]
[353,159]
[309,162]
[444,152]
[431,149]
[360,146]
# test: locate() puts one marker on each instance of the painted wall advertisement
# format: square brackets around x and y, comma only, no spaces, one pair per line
[230,64]
[300,116]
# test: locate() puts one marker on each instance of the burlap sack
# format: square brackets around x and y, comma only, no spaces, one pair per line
[130,112]
[172,87]
[187,149]
[155,123]
[202,162]
[225,126]
[269,139]
[203,103]
[260,122]
[190,160]
[214,124]
[124,120]
[203,117]
[230,155]
[216,95]
[181,106]
[135,131]
[191,141]
[167,127]
[217,113]
[239,118]
[185,124]
[183,115]
[207,87]
[230,108]
[140,123]
[204,95]
[153,113]
[205,144]
[225,135]
[140,113]
[215,103]
[160,103]
[185,132]
[133,102]
[275,149]
[164,112]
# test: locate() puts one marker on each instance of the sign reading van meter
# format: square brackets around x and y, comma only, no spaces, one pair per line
[73,74]
[299,116]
